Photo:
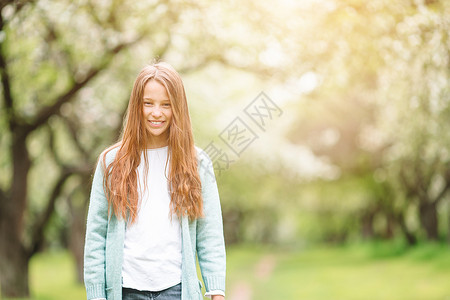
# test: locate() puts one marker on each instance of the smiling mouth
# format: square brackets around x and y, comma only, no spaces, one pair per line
[156,124]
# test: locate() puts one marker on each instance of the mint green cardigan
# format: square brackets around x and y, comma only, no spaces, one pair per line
[103,253]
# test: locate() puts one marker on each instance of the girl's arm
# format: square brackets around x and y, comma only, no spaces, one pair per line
[210,241]
[95,243]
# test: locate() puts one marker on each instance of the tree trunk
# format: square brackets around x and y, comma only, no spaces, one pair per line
[429,220]
[76,245]
[14,270]
[410,237]
[77,232]
[448,225]
[390,225]
[367,225]
[13,255]
[232,228]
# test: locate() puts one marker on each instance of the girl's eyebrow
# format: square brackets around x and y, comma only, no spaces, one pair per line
[164,100]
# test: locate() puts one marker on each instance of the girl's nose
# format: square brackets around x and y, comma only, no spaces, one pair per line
[156,112]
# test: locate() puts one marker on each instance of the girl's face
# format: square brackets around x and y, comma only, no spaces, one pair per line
[157,112]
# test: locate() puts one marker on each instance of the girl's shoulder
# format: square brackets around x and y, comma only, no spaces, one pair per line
[205,165]
[108,155]
[202,157]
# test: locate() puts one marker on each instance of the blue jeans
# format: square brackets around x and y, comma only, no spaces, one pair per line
[172,293]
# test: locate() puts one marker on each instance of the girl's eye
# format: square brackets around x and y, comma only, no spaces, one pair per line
[167,105]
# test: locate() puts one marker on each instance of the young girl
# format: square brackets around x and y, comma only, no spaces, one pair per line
[154,203]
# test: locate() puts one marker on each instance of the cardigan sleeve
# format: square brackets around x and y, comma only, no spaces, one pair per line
[210,240]
[95,241]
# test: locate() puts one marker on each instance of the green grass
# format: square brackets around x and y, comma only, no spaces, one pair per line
[52,277]
[383,271]
[368,271]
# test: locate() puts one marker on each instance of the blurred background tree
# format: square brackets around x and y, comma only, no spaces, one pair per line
[361,150]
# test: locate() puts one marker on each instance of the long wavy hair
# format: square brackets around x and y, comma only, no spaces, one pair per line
[121,179]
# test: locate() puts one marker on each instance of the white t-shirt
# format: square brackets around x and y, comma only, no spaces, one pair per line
[152,249]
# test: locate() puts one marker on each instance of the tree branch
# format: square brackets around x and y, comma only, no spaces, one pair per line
[442,193]
[51,40]
[19,4]
[48,111]
[446,187]
[6,83]
[410,189]
[79,169]
[410,236]
[3,197]
[53,150]
[37,236]
[3,3]
[73,130]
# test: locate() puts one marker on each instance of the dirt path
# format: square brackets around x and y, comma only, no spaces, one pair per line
[262,272]
[265,267]
[241,291]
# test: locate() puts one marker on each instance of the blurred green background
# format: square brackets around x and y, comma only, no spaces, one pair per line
[343,192]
